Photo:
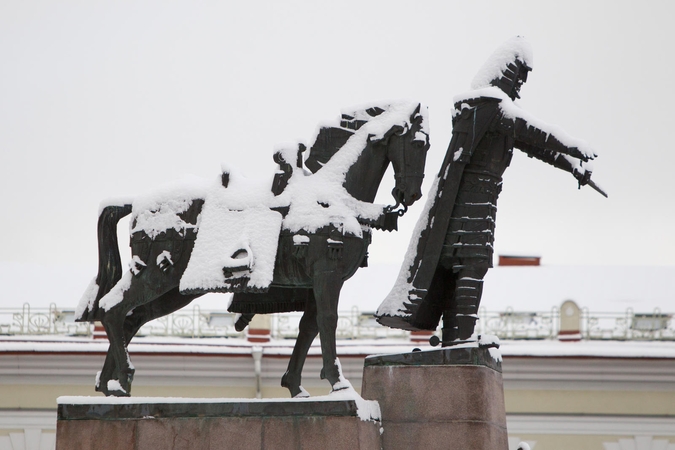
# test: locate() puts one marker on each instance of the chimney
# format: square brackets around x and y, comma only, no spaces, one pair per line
[511,260]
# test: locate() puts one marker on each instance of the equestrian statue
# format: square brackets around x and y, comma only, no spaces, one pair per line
[285,245]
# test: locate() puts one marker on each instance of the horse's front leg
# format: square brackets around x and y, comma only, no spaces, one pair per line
[327,286]
[307,331]
[117,360]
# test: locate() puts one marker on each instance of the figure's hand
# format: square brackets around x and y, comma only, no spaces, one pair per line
[582,175]
[583,154]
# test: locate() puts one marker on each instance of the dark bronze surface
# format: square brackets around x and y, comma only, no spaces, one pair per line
[308,276]
[455,248]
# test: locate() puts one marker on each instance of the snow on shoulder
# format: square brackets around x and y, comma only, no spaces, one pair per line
[510,110]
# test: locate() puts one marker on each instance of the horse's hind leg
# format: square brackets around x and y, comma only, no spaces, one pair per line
[113,322]
[165,304]
[110,370]
[327,286]
[307,331]
[141,290]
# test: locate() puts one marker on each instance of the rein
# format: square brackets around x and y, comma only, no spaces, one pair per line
[391,209]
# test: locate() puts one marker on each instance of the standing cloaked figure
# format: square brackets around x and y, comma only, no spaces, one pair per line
[452,246]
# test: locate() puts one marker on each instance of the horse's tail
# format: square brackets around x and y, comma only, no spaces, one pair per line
[109,262]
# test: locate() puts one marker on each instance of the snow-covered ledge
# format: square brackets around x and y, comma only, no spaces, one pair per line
[341,420]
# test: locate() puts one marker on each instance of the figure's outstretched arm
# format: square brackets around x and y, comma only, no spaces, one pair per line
[564,162]
[540,137]
[556,159]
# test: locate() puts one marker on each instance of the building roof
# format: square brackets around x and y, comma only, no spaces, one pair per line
[346,348]
[535,288]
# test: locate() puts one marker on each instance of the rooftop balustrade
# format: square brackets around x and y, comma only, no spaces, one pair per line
[355,324]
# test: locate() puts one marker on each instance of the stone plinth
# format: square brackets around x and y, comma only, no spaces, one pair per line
[451,398]
[278,425]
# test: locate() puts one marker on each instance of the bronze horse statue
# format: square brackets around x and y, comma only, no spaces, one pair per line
[323,218]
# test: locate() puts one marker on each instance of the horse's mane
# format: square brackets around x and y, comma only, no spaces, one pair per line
[331,139]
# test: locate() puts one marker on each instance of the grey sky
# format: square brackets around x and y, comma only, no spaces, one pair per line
[107,99]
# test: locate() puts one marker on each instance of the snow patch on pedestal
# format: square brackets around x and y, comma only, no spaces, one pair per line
[492,342]
[366,409]
[343,389]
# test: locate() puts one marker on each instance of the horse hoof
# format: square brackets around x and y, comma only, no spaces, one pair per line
[302,394]
[341,385]
[243,321]
[285,382]
[117,394]
[295,389]
[101,386]
[338,388]
[116,389]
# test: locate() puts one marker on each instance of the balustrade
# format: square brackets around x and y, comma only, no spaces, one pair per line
[354,324]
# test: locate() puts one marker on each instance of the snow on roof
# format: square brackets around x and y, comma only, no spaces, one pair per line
[521,288]
[345,348]
[540,288]
[584,349]
[598,288]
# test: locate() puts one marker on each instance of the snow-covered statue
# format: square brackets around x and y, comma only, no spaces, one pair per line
[284,245]
[452,246]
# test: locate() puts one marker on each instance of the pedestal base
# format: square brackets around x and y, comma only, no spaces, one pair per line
[274,425]
[451,398]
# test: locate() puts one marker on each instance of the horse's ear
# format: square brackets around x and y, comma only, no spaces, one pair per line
[301,149]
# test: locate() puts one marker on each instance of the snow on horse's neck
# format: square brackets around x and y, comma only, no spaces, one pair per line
[363,178]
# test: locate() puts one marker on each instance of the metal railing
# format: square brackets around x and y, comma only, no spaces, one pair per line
[354,324]
[512,324]
[628,326]
[41,321]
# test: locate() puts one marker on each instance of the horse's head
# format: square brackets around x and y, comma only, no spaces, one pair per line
[407,151]
[368,140]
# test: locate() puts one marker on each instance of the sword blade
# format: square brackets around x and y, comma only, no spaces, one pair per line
[592,184]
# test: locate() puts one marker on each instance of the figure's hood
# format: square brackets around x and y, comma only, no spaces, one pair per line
[498,70]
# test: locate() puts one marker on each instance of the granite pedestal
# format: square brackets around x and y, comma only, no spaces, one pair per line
[270,425]
[451,398]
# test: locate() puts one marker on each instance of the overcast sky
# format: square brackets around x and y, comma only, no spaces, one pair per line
[107,99]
